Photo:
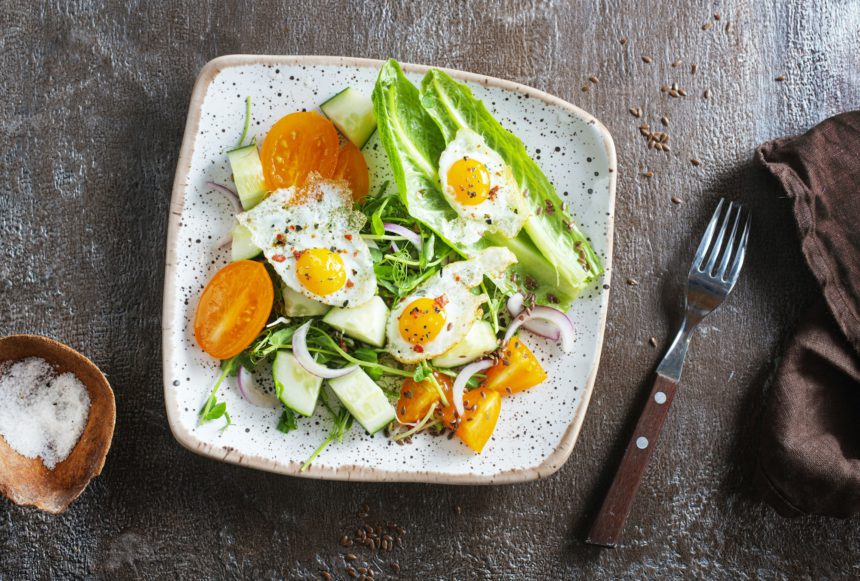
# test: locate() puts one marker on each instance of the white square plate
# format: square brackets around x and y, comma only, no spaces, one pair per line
[537,429]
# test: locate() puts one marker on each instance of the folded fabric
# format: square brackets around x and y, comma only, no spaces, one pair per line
[809,453]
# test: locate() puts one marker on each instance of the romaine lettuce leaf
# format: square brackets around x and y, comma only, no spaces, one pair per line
[414,142]
[550,228]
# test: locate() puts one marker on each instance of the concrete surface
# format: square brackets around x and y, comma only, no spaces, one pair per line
[93,103]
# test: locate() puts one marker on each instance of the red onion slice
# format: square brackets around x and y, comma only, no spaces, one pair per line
[549,315]
[231,195]
[463,378]
[252,392]
[537,326]
[306,360]
[411,236]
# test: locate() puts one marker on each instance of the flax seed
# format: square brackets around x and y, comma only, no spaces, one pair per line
[677,63]
[693,68]
[326,576]
[584,88]
[351,572]
[632,282]
[673,93]
[351,557]
[653,341]
[666,147]
[696,162]
[707,94]
[395,567]
[648,174]
[707,26]
[647,59]
[345,541]
[594,79]
[362,570]
[716,15]
[635,112]
[780,78]
[682,92]
[664,88]
[664,120]
[677,200]
[729,26]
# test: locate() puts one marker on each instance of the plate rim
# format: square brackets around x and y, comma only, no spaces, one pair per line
[350,472]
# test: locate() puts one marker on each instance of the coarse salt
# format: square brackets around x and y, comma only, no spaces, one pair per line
[42,413]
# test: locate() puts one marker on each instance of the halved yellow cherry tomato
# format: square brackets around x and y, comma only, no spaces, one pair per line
[296,146]
[517,370]
[416,398]
[233,308]
[481,412]
[352,167]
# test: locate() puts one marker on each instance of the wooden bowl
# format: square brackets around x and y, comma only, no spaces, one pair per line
[26,481]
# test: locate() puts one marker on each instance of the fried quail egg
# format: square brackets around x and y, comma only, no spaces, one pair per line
[480,186]
[310,236]
[440,312]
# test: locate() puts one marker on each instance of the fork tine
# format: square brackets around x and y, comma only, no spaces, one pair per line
[706,238]
[715,248]
[724,263]
[742,250]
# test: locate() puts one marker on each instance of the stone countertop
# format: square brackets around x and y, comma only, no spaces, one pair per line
[94,99]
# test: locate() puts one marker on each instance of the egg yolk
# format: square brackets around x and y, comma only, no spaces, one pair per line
[421,321]
[469,180]
[320,270]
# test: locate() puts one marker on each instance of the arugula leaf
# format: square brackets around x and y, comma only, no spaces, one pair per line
[287,422]
[213,409]
[551,229]
[371,356]
[342,424]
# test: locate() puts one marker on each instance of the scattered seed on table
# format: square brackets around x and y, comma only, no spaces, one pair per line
[665,147]
[351,557]
[664,88]
[351,572]
[728,26]
[677,200]
[584,88]
[664,120]
[696,162]
[673,93]
[632,282]
[647,59]
[707,26]
[362,570]
[707,94]
[653,341]
[648,174]
[623,41]
[716,15]
[326,575]
[693,68]
[635,111]
[780,78]
[457,509]
[594,79]
[345,541]
[677,63]
[682,92]
[395,567]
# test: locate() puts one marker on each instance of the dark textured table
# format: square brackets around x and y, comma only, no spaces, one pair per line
[93,102]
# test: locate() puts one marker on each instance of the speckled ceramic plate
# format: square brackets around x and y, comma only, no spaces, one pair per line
[537,429]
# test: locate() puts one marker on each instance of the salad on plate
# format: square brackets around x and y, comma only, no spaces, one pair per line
[407,309]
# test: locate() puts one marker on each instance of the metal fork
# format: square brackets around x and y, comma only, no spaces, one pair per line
[712,277]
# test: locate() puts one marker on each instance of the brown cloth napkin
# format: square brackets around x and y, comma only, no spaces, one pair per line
[809,455]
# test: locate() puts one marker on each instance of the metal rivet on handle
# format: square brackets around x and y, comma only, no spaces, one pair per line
[641,442]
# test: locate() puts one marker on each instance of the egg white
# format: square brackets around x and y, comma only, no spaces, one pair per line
[319,215]
[506,210]
[461,306]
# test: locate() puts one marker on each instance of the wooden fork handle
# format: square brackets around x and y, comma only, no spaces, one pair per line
[607,528]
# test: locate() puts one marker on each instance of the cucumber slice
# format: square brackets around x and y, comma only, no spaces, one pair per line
[364,399]
[242,247]
[352,113]
[298,305]
[248,175]
[296,388]
[365,322]
[479,341]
